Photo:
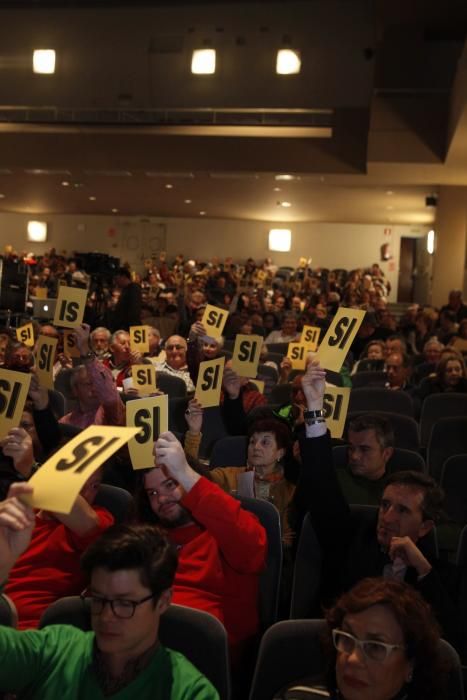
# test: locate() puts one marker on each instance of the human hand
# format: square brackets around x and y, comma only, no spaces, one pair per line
[197,330]
[136,358]
[16,524]
[285,368]
[64,360]
[231,383]
[313,385]
[404,548]
[18,445]
[37,393]
[81,336]
[194,416]
[169,453]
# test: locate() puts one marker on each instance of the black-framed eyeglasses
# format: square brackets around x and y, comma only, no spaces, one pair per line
[122,608]
[175,347]
[371,648]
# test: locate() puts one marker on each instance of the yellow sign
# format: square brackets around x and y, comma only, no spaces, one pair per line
[297,353]
[69,311]
[45,358]
[310,337]
[209,384]
[14,387]
[69,344]
[151,417]
[259,384]
[214,320]
[25,335]
[262,274]
[336,405]
[144,379]
[339,337]
[139,341]
[245,357]
[57,483]
[41,293]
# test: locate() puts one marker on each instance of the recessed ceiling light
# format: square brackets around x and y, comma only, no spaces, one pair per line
[202,213]
[285,204]
[77,185]
[389,208]
[168,186]
[276,189]
[389,192]
[43,61]
[203,62]
[2,196]
[286,177]
[114,211]
[288,62]
[92,198]
[65,183]
[187,201]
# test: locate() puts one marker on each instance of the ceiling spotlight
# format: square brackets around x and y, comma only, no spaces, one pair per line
[286,177]
[37,231]
[280,239]
[202,213]
[169,186]
[276,189]
[187,201]
[65,183]
[389,192]
[288,62]
[92,198]
[43,61]
[114,211]
[284,204]
[203,62]
[2,196]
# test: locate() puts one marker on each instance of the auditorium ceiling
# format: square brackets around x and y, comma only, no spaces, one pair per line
[374,123]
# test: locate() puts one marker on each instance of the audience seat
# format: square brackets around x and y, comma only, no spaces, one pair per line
[230,451]
[367,365]
[171,385]
[307,574]
[196,634]
[57,403]
[8,613]
[177,408]
[268,515]
[366,379]
[375,399]
[118,501]
[448,438]
[276,357]
[401,460]
[406,434]
[281,394]
[454,484]
[438,406]
[279,348]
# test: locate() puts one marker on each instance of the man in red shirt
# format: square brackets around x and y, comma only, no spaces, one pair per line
[222,548]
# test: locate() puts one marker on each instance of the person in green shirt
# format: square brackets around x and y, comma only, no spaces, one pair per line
[131,571]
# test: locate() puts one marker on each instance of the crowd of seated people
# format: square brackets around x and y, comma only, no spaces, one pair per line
[289,460]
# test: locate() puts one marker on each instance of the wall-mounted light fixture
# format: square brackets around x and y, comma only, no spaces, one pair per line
[430,242]
[203,62]
[280,239]
[288,62]
[43,61]
[37,231]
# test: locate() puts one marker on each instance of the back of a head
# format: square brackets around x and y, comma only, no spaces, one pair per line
[134,547]
[382,426]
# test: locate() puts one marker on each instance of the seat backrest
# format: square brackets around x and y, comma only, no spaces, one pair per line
[230,451]
[440,406]
[406,434]
[62,382]
[173,386]
[268,515]
[376,399]
[280,348]
[213,430]
[455,681]
[401,460]
[370,378]
[268,371]
[8,612]
[289,650]
[117,501]
[57,403]
[454,484]
[307,574]
[276,357]
[194,633]
[367,365]
[448,438]
[281,394]
[177,408]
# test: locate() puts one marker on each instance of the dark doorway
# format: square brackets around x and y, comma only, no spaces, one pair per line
[405,290]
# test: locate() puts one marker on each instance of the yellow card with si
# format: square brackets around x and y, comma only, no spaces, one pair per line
[151,417]
[69,344]
[45,358]
[144,379]
[339,337]
[70,307]
[297,353]
[245,356]
[25,335]
[209,384]
[214,320]
[58,482]
[336,405]
[14,387]
[139,341]
[310,337]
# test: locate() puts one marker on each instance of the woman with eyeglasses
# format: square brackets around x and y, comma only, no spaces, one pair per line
[383,644]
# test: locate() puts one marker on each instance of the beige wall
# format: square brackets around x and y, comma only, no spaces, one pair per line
[134,239]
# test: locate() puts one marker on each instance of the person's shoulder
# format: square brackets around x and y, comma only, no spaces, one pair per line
[186,678]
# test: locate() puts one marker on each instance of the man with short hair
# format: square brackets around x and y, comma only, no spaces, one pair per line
[371,445]
[387,543]
[398,371]
[175,362]
[122,357]
[130,570]
[100,342]
[222,548]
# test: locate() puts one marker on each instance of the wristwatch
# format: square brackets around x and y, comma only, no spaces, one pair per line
[312,417]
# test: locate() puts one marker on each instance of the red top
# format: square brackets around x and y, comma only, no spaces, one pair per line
[220,558]
[49,569]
